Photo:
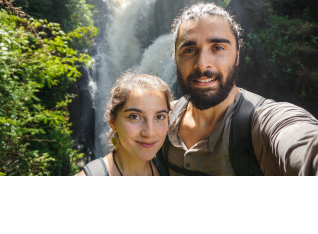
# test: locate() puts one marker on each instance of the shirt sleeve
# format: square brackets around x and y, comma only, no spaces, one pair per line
[285,139]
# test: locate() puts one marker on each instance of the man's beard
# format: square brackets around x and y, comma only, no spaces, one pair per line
[205,98]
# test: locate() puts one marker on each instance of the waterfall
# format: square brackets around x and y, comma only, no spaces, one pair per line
[136,36]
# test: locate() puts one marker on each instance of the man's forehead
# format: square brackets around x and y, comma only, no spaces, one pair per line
[213,24]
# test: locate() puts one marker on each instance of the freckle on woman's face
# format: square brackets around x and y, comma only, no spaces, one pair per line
[142,124]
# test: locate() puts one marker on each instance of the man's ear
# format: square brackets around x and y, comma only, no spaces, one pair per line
[238,56]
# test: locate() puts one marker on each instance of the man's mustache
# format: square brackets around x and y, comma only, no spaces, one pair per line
[198,74]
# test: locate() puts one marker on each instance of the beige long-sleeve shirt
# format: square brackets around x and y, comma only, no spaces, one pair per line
[284,136]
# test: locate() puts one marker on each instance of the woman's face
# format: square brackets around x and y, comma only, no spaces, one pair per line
[142,124]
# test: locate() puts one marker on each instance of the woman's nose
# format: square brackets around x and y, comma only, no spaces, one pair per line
[148,129]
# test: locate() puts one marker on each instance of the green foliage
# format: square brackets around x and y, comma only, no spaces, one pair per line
[285,40]
[82,14]
[36,67]
[70,14]
[281,50]
[225,3]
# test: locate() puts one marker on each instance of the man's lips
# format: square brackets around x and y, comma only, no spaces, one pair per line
[204,81]
[146,144]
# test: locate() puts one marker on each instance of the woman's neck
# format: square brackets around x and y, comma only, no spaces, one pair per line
[130,165]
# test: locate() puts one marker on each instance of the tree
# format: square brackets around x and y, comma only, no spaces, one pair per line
[36,67]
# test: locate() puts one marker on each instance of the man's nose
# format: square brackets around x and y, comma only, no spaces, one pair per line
[148,129]
[204,60]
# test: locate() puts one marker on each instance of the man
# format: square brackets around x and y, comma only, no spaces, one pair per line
[284,137]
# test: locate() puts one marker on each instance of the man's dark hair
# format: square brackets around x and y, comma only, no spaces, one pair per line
[197,11]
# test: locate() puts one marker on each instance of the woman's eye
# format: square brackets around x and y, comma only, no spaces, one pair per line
[161,117]
[134,117]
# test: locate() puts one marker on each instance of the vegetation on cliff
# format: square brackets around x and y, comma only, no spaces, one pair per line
[38,62]
[281,51]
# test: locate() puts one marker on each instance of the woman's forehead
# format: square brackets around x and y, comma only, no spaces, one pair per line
[145,98]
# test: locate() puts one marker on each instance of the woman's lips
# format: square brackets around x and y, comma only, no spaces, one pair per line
[146,144]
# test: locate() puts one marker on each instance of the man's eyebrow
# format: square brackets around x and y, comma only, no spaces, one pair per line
[162,111]
[210,40]
[186,43]
[219,40]
[134,109]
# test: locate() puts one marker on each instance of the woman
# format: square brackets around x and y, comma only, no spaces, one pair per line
[138,113]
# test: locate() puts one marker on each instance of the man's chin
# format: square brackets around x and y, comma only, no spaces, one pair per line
[208,98]
[206,91]
[204,102]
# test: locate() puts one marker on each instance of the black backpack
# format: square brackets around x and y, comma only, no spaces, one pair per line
[241,151]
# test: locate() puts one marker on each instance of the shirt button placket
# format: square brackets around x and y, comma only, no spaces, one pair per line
[186,160]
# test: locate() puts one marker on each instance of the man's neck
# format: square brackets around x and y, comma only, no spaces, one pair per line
[213,114]
[198,124]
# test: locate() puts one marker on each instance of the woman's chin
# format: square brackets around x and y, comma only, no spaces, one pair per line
[143,152]
[147,156]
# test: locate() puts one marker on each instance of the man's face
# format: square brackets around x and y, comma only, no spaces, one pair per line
[206,59]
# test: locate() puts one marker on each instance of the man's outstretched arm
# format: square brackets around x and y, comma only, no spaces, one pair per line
[310,167]
[285,139]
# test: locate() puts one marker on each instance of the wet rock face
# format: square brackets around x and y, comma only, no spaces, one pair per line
[82,117]
[82,111]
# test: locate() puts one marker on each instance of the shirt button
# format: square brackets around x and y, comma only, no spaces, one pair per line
[187,165]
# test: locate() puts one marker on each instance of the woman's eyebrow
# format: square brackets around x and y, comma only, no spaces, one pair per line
[134,109]
[162,111]
[140,111]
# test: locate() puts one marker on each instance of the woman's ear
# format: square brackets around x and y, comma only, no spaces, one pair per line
[112,123]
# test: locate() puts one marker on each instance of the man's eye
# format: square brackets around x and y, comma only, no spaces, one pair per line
[134,117]
[189,51]
[218,48]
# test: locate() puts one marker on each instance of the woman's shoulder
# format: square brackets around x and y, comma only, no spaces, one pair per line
[96,167]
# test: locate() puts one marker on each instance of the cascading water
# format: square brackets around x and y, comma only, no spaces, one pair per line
[136,36]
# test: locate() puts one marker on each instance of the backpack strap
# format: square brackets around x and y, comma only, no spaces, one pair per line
[161,170]
[96,168]
[180,106]
[242,155]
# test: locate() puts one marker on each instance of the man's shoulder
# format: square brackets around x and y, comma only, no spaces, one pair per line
[271,105]
[271,113]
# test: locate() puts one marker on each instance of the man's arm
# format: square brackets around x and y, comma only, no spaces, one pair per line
[285,139]
[310,167]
